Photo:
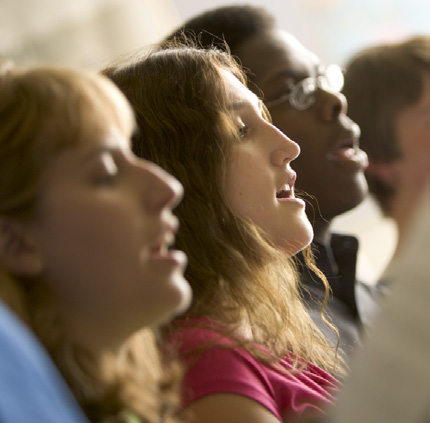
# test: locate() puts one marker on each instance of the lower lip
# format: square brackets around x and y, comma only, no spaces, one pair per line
[349,158]
[175,257]
[292,200]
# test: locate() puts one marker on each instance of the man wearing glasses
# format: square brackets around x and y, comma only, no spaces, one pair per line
[305,102]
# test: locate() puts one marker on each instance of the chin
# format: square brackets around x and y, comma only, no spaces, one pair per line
[176,302]
[186,299]
[356,195]
[302,238]
[183,300]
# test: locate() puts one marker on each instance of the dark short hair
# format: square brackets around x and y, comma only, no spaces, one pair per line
[231,24]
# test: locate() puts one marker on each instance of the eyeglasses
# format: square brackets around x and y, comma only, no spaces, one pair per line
[302,95]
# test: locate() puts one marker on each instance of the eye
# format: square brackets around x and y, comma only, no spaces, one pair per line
[287,88]
[243,131]
[283,94]
[106,171]
[106,179]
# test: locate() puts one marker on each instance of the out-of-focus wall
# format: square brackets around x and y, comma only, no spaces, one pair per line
[86,33]
[334,29]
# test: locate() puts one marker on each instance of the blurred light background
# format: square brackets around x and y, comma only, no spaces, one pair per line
[92,33]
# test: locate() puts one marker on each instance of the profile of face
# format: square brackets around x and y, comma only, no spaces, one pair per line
[331,165]
[259,182]
[102,228]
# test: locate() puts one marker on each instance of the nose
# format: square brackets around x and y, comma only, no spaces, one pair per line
[161,190]
[284,150]
[331,105]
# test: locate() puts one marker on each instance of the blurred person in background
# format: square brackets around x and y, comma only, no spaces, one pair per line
[388,91]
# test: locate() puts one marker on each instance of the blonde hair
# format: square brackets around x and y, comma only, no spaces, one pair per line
[185,126]
[43,111]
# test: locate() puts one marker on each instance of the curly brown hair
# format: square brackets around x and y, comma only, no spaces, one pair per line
[184,125]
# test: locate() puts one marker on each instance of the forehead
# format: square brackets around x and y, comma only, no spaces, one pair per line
[69,163]
[238,94]
[275,53]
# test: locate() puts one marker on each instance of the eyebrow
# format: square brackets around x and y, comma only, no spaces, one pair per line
[93,154]
[241,104]
[237,105]
[295,74]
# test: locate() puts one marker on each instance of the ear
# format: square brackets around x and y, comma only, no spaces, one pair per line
[18,252]
[384,171]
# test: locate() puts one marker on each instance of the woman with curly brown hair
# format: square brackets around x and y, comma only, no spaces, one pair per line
[252,352]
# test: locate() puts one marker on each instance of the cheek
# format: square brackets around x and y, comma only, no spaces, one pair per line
[413,131]
[93,231]
[246,185]
[85,242]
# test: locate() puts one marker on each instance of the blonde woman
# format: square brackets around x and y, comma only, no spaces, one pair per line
[85,228]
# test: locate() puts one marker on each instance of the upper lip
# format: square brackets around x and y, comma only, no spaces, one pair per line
[165,237]
[288,182]
[349,138]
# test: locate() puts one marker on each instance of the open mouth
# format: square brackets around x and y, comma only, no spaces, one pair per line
[163,245]
[285,192]
[349,155]
[347,147]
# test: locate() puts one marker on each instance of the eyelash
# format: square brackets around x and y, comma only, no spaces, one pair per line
[107,175]
[287,89]
[107,179]
[243,131]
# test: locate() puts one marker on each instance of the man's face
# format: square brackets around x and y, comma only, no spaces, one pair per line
[331,167]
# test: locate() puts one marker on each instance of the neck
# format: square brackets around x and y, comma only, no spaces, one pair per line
[322,231]
[96,339]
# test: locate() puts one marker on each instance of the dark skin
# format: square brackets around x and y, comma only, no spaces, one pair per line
[330,167]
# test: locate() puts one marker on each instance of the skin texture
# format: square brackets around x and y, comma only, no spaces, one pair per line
[331,174]
[260,168]
[101,227]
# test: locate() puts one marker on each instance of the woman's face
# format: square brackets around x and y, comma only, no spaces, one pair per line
[260,182]
[331,165]
[103,224]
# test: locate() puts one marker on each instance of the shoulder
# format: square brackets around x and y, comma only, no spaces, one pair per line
[208,345]
[188,335]
[216,363]
[36,392]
